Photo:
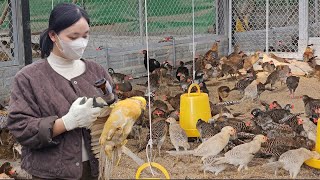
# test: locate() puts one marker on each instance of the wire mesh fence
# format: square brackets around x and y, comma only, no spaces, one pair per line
[314,18]
[118,23]
[249,22]
[6,45]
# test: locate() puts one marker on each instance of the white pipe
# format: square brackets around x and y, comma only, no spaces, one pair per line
[150,143]
[230,26]
[193,45]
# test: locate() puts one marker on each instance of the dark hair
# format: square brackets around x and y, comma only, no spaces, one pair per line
[62,16]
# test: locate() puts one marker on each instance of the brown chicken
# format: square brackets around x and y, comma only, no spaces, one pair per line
[308,53]
[251,60]
[280,59]
[223,92]
[316,68]
[212,55]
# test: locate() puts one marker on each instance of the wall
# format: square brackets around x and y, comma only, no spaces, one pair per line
[130,60]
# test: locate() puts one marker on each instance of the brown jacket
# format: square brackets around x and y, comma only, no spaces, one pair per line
[39,96]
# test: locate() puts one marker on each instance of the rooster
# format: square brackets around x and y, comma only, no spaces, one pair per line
[153,63]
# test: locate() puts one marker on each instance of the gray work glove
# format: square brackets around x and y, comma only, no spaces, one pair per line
[81,114]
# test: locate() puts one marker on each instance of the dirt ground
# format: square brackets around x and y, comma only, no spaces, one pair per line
[188,166]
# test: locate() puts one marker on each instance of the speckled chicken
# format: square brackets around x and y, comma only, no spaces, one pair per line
[242,84]
[206,130]
[240,155]
[263,120]
[292,84]
[221,107]
[159,133]
[237,124]
[210,147]
[277,146]
[292,161]
[310,105]
[177,135]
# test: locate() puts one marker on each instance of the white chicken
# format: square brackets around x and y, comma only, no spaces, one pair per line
[292,161]
[240,155]
[211,147]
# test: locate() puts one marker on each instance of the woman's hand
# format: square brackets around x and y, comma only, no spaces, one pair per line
[81,114]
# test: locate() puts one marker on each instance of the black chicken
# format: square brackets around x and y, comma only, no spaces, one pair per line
[153,63]
[292,84]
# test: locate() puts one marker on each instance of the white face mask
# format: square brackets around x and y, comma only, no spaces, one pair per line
[73,50]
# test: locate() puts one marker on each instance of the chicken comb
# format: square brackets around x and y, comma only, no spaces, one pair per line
[292,106]
[271,106]
[315,120]
[12,172]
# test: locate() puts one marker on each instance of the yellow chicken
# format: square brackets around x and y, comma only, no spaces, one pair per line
[117,121]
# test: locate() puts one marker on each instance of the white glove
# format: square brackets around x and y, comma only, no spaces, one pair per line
[81,115]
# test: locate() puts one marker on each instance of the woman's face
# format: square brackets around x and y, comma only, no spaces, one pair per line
[80,29]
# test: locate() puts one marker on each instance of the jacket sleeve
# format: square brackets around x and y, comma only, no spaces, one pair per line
[24,119]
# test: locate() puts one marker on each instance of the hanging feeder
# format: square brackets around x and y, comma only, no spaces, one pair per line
[193,106]
[315,163]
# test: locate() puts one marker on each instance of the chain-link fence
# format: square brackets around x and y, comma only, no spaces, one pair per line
[6,45]
[250,18]
[121,23]
[314,18]
[118,29]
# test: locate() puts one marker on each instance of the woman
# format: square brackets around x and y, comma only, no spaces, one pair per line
[45,113]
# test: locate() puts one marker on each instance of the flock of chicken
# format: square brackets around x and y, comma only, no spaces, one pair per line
[274,132]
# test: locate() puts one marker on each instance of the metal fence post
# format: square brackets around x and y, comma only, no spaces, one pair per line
[19,57]
[316,12]
[267,26]
[141,22]
[303,26]
[216,4]
[230,27]
[25,13]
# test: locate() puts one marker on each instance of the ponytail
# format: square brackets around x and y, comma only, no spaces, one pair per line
[46,44]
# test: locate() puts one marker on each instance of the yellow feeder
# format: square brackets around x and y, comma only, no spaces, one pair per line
[193,106]
[152,164]
[315,163]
